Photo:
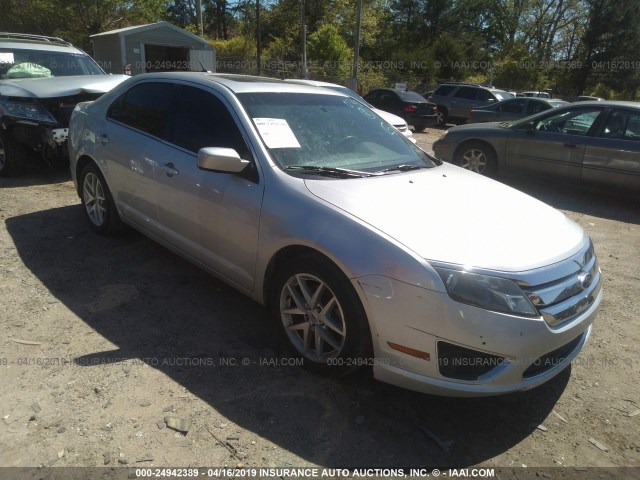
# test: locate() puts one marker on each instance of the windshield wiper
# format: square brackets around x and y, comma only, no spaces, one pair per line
[332,171]
[403,168]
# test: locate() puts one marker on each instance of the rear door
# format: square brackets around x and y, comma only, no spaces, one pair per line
[612,156]
[555,146]
[462,101]
[131,144]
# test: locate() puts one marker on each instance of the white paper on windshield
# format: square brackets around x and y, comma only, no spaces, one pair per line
[276,133]
[6,57]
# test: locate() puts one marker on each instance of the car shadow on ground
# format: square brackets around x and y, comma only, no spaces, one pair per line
[37,174]
[173,310]
[619,206]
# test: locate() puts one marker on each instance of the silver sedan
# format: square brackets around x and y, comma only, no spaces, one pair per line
[362,246]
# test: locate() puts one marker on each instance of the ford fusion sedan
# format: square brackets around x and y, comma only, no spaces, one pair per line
[303,200]
[591,143]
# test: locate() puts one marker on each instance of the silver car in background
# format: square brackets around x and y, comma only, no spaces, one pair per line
[302,199]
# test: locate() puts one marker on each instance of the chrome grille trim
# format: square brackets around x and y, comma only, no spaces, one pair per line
[556,292]
[573,306]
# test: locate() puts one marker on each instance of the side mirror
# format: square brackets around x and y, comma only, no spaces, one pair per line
[530,128]
[221,160]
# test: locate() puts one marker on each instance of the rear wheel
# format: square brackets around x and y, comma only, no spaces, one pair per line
[13,155]
[99,207]
[477,157]
[320,315]
[419,128]
[441,117]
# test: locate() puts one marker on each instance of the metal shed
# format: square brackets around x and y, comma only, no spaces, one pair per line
[154,47]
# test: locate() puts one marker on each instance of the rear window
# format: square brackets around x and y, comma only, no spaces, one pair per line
[411,97]
[500,95]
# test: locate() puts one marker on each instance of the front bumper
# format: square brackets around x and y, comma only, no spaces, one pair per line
[425,320]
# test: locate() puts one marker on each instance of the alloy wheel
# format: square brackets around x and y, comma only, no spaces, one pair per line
[312,317]
[474,160]
[94,199]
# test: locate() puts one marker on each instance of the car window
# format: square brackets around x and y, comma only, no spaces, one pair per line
[444,90]
[536,106]
[466,92]
[328,131]
[411,97]
[484,95]
[372,96]
[513,106]
[622,125]
[202,120]
[572,122]
[500,95]
[146,107]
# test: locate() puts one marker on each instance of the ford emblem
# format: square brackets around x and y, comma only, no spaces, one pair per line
[585,280]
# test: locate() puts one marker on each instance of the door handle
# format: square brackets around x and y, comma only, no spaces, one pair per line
[571,145]
[104,139]
[170,169]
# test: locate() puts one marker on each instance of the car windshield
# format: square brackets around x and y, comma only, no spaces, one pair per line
[24,63]
[500,95]
[329,132]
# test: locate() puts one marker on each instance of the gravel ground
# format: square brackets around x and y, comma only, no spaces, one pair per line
[102,339]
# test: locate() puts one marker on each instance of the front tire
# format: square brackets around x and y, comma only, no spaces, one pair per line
[99,207]
[320,315]
[13,155]
[477,157]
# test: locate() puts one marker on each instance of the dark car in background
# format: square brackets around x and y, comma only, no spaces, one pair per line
[456,100]
[512,109]
[595,143]
[42,79]
[414,108]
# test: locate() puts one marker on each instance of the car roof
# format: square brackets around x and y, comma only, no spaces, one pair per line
[45,47]
[239,83]
[609,103]
[315,83]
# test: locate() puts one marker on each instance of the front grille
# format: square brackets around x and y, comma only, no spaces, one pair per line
[463,363]
[551,359]
[561,300]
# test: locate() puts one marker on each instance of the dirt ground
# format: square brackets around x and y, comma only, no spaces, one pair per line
[101,338]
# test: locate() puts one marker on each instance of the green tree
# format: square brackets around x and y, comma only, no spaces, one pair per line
[329,54]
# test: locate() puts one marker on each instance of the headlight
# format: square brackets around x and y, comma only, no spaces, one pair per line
[27,111]
[490,293]
[444,134]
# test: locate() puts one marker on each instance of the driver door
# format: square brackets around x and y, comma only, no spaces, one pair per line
[554,144]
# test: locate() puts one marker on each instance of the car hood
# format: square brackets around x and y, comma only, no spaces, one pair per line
[448,214]
[472,127]
[52,87]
